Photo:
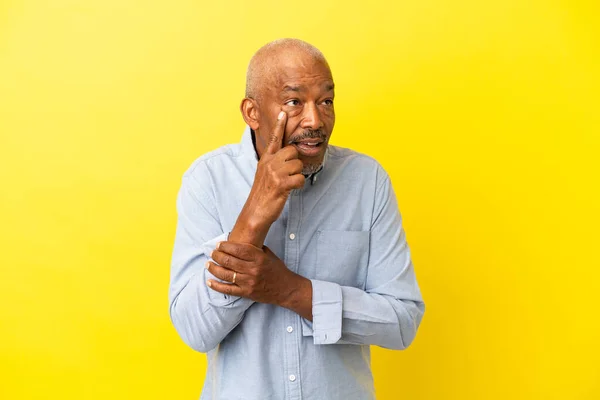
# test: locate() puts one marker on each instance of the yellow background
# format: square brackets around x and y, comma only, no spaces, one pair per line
[485,113]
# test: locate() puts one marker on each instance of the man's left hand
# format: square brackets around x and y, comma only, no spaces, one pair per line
[259,274]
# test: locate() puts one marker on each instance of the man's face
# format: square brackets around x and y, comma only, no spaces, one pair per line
[303,88]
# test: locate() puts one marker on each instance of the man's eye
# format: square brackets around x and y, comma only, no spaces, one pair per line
[328,102]
[292,103]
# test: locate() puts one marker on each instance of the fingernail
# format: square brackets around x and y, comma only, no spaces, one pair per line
[219,245]
[212,253]
[281,114]
[209,283]
[207,265]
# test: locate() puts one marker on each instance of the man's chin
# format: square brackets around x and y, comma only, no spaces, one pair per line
[312,163]
[312,166]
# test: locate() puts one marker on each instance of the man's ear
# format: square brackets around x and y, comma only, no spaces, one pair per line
[250,113]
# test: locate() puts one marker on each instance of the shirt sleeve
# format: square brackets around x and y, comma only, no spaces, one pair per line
[388,312]
[201,316]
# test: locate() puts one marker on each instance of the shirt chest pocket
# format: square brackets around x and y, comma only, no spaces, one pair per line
[342,257]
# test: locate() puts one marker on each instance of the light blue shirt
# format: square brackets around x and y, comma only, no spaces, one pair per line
[343,231]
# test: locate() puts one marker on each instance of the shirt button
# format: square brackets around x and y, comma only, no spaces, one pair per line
[290,329]
[292,378]
[292,236]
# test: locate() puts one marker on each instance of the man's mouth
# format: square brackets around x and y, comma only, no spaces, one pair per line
[309,147]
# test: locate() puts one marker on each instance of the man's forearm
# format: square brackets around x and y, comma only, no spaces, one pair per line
[249,228]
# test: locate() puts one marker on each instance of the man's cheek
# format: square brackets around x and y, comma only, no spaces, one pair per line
[290,127]
[293,113]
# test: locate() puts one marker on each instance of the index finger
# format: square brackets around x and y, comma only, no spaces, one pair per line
[243,251]
[276,138]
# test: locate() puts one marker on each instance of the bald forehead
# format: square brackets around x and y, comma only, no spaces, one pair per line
[281,60]
[291,67]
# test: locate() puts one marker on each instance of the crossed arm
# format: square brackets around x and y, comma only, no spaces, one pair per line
[387,313]
[209,298]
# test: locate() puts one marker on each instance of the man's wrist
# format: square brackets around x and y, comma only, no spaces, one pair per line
[255,223]
[299,298]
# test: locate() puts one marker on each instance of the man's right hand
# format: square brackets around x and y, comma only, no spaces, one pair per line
[279,171]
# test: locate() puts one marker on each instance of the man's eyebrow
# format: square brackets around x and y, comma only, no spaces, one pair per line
[292,88]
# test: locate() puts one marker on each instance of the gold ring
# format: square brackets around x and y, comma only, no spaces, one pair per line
[234,275]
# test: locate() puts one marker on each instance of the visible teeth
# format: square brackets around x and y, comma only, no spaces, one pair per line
[311,144]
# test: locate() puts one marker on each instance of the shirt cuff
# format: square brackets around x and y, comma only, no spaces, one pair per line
[327,313]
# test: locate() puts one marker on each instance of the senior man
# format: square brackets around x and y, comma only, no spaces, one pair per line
[290,259]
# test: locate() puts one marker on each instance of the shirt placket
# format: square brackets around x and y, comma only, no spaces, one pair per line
[292,320]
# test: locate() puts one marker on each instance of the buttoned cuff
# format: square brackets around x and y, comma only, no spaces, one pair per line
[326,326]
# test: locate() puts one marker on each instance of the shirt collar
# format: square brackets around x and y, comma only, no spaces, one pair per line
[249,151]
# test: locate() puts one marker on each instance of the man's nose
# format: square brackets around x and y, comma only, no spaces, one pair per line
[311,118]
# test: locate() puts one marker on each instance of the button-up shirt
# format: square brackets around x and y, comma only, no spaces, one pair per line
[343,231]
